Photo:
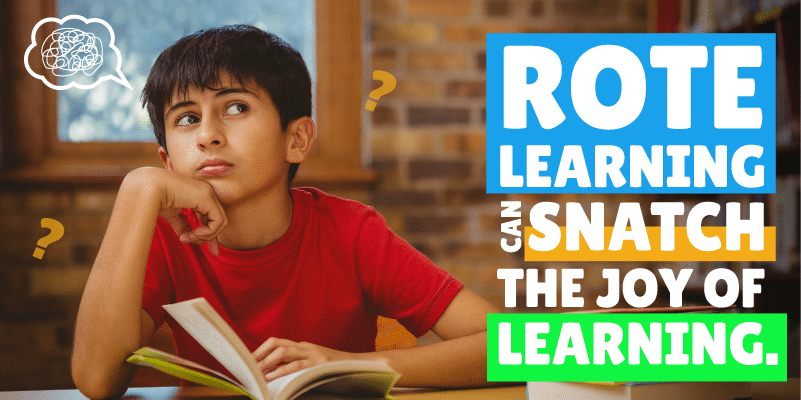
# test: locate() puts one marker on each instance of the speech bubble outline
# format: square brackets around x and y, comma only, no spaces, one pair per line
[119,79]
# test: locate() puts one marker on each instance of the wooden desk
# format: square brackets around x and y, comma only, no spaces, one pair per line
[200,392]
[760,391]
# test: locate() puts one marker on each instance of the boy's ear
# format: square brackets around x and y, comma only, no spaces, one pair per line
[300,135]
[165,158]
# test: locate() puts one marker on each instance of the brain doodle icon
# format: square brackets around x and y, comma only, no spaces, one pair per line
[68,50]
[74,46]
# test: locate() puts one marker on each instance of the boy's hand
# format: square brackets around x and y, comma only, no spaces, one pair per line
[279,357]
[177,192]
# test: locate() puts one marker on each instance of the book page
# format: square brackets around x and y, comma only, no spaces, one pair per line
[372,384]
[187,373]
[288,386]
[200,320]
[172,358]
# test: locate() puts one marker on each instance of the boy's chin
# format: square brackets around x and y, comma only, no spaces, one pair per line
[230,193]
[226,195]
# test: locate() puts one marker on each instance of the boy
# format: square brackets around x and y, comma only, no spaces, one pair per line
[300,275]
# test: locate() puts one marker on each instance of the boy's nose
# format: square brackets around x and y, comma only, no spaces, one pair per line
[210,135]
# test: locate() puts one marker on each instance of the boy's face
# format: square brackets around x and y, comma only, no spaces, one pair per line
[231,137]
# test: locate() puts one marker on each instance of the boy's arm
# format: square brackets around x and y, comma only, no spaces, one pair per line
[111,323]
[460,360]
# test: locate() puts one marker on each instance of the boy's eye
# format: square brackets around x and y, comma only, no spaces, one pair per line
[186,120]
[235,109]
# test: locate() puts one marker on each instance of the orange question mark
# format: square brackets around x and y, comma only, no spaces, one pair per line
[56,233]
[388,85]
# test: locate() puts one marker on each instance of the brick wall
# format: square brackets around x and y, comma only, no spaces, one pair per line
[427,137]
[427,147]
[39,298]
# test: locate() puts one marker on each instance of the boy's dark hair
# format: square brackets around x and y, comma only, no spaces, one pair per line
[246,54]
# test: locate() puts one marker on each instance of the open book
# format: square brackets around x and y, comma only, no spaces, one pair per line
[198,318]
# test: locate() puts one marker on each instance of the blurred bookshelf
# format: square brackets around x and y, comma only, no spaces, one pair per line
[781,17]
[780,287]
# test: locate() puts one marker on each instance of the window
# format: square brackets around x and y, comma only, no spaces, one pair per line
[112,112]
[33,150]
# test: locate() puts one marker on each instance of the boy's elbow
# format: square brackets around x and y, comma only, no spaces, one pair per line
[95,383]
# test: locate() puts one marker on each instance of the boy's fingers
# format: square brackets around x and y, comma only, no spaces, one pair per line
[206,230]
[202,230]
[211,226]
[203,234]
[180,226]
[217,222]
[294,366]
[196,241]
[282,355]
[193,238]
[213,216]
[262,350]
[269,345]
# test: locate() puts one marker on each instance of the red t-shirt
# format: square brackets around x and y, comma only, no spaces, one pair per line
[324,281]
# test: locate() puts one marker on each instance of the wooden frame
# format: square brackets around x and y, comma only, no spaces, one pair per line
[32,152]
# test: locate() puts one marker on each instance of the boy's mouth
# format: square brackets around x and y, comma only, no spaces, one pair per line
[215,166]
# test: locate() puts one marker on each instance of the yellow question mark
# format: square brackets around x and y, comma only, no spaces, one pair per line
[388,85]
[56,232]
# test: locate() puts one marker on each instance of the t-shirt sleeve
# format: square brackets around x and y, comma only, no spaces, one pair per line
[158,287]
[398,281]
